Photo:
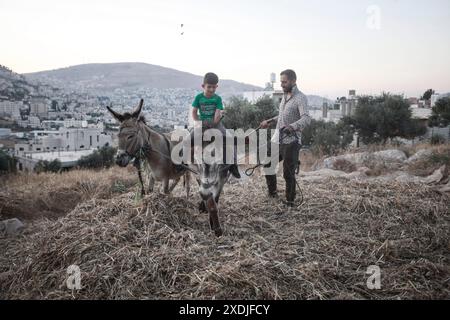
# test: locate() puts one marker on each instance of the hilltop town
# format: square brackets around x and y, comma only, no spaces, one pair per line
[61,114]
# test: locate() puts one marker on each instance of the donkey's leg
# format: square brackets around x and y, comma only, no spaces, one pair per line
[151,183]
[214,217]
[202,206]
[166,186]
[138,166]
[187,183]
[174,184]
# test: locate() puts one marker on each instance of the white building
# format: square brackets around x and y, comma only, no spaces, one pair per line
[434,98]
[10,108]
[39,107]
[64,140]
[254,96]
[5,132]
[68,159]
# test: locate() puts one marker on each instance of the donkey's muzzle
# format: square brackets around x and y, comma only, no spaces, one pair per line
[123,159]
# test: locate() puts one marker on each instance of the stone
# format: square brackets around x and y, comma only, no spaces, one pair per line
[11,227]
[436,177]
[392,155]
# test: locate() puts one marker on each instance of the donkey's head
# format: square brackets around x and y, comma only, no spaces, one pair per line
[130,140]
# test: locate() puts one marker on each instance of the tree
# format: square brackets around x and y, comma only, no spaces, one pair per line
[327,137]
[241,114]
[102,158]
[427,95]
[48,166]
[380,118]
[7,163]
[441,113]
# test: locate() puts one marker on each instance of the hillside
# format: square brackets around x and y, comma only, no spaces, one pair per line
[161,247]
[14,87]
[107,77]
[17,87]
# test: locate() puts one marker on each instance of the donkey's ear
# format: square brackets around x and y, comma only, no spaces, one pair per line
[138,110]
[116,115]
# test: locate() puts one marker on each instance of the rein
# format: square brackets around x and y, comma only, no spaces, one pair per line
[146,148]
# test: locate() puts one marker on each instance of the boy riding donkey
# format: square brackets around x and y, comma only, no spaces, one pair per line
[207,108]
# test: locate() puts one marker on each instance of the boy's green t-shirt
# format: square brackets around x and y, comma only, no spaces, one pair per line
[207,106]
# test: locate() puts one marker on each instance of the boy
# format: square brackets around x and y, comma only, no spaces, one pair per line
[208,107]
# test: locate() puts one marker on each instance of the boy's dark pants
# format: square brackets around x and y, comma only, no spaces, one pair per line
[289,154]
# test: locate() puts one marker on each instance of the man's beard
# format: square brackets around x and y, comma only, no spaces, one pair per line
[288,89]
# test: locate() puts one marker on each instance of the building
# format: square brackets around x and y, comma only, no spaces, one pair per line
[254,96]
[39,107]
[5,132]
[10,108]
[64,140]
[68,159]
[434,98]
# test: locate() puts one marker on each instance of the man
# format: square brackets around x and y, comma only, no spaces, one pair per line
[293,117]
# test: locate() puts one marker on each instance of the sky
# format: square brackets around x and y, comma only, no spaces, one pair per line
[399,46]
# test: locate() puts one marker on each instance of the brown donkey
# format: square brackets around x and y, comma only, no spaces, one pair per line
[139,142]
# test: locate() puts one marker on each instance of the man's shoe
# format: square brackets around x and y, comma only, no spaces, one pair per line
[273,195]
[289,204]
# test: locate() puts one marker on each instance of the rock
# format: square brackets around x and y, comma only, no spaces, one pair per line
[329,173]
[436,177]
[11,227]
[321,174]
[392,155]
[445,188]
[419,155]
[408,178]
[357,159]
[391,159]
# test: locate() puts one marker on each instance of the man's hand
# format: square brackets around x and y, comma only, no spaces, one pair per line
[288,129]
[266,123]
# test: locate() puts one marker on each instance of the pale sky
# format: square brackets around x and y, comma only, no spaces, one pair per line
[400,46]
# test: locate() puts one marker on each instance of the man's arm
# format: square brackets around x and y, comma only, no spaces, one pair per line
[266,123]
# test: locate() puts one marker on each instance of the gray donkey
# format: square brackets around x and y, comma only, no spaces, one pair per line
[139,142]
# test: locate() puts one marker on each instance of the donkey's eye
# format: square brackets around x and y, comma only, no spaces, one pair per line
[130,137]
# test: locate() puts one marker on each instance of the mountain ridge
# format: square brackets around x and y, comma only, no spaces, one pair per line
[129,75]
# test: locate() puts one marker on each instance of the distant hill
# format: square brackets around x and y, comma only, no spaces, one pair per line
[13,86]
[106,77]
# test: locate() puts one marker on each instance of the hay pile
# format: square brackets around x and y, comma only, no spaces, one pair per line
[162,248]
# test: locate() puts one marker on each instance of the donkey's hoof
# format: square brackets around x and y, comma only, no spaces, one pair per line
[218,232]
[202,207]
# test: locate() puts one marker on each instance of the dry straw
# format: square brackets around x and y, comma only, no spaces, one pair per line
[162,248]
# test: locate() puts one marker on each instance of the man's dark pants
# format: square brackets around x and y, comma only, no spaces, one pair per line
[289,154]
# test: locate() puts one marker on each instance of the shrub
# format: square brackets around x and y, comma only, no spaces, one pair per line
[48,166]
[437,139]
[102,158]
